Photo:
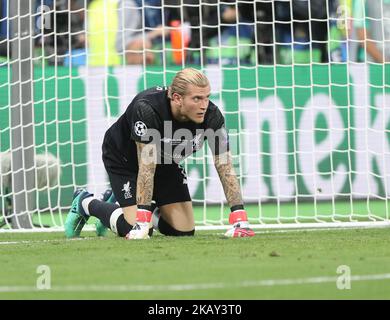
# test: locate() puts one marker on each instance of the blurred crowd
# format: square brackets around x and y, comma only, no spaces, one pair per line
[154,32]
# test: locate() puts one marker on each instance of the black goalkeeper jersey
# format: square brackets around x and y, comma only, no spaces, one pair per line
[149,119]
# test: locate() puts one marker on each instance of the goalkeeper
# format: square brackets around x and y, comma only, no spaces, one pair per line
[141,154]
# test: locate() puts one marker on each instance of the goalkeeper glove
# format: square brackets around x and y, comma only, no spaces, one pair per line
[240,227]
[141,227]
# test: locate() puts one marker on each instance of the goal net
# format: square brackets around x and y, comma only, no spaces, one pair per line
[304,90]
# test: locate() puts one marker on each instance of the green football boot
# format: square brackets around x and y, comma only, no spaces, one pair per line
[77,217]
[101,229]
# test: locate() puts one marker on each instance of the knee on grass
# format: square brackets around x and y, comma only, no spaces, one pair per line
[121,227]
[166,229]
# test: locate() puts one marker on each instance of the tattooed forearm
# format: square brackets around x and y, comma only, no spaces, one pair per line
[229,180]
[147,167]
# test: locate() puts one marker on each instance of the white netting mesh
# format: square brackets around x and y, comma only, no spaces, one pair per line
[304,92]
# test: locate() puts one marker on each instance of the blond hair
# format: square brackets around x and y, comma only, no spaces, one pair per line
[185,77]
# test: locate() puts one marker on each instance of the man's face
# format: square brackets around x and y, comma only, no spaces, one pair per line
[195,103]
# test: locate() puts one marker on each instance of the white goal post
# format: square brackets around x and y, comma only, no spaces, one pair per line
[305,97]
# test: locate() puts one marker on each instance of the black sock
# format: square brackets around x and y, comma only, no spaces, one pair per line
[166,229]
[122,226]
[103,211]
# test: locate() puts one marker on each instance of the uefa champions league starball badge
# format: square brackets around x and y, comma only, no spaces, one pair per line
[140,128]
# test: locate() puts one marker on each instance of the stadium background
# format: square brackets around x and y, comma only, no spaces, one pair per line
[309,125]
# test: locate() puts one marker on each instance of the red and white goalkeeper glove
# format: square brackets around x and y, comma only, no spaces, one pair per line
[240,227]
[141,227]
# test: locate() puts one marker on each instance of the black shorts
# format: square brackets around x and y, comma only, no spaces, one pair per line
[170,180]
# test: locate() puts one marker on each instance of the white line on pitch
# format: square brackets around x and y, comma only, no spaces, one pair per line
[44,241]
[190,287]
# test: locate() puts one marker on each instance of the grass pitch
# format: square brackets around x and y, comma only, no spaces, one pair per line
[272,265]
